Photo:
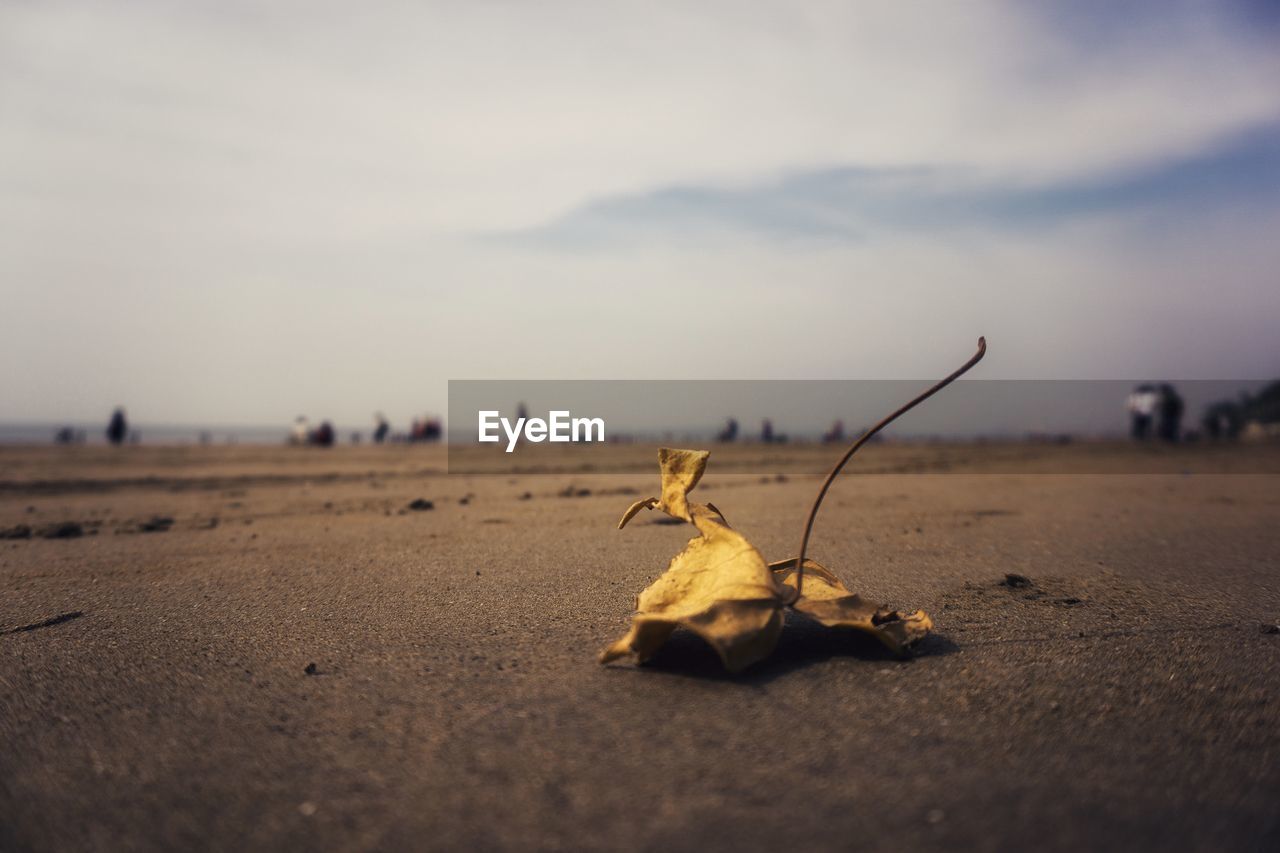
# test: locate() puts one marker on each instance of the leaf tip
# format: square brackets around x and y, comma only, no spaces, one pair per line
[647,503]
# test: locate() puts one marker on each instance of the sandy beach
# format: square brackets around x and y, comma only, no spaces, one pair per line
[267,648]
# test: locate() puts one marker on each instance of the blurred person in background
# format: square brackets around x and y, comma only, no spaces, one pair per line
[1141,406]
[300,432]
[1171,409]
[117,427]
[324,435]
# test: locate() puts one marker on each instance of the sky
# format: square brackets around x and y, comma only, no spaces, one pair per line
[236,212]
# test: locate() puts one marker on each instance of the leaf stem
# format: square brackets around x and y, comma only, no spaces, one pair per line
[853,448]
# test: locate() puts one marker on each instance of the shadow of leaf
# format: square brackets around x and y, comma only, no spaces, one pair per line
[803,642]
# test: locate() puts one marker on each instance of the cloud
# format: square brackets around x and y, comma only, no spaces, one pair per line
[856,204]
[459,116]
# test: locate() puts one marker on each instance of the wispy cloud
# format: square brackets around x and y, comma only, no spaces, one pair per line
[856,204]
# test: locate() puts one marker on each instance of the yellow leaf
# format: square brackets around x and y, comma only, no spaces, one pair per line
[647,503]
[826,600]
[718,587]
[681,471]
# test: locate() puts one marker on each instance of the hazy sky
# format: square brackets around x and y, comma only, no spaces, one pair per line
[238,212]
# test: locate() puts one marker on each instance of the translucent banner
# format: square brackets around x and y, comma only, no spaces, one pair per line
[777,426]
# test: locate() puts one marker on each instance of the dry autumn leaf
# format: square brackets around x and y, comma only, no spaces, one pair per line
[720,587]
[826,600]
[681,471]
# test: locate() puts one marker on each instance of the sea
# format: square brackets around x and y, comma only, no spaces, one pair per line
[154,434]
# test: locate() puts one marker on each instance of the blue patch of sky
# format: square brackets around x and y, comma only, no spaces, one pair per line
[1094,24]
[848,203]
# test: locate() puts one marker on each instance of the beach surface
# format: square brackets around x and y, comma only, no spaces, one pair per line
[268,648]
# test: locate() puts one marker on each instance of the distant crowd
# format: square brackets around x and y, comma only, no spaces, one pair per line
[1155,412]
[427,429]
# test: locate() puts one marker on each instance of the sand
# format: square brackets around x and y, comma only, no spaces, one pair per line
[298,661]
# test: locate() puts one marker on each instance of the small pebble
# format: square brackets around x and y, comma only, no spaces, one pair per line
[62,530]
